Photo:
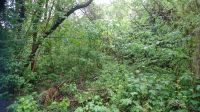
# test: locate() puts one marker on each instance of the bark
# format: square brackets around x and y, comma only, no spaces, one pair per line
[35,45]
[46,12]
[61,19]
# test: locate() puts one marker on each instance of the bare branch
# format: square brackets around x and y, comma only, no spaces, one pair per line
[36,44]
[61,19]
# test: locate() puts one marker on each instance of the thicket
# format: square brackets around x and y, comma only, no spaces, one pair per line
[128,56]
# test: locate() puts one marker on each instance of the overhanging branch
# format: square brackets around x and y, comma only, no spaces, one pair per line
[61,19]
[37,43]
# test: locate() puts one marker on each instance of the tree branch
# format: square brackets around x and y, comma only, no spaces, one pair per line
[61,19]
[37,43]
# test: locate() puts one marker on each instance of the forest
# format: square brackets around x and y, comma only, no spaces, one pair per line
[99,55]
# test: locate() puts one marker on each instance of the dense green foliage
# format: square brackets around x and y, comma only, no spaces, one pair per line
[126,56]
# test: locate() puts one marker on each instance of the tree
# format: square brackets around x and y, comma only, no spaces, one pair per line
[37,42]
